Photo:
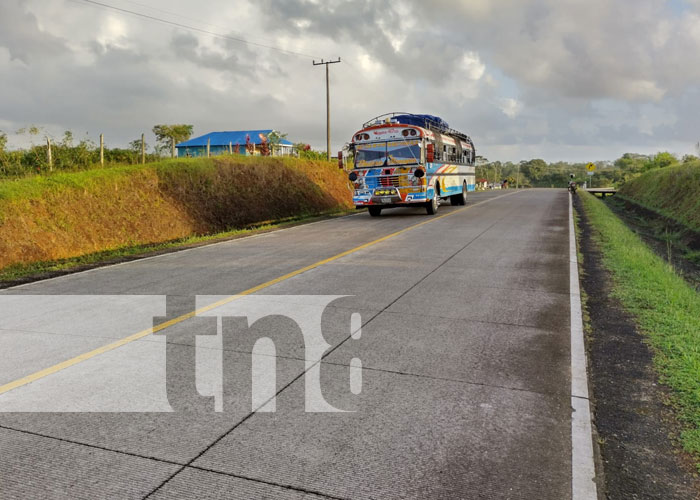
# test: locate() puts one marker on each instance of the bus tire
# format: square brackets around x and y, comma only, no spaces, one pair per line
[375,211]
[460,199]
[432,206]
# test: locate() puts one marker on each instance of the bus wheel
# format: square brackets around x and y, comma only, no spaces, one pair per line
[432,206]
[460,199]
[375,211]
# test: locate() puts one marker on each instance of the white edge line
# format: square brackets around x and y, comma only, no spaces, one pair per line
[583,486]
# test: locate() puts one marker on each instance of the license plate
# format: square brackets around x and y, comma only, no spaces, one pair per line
[386,199]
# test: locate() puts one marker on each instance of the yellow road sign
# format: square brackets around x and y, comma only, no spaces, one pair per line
[590,167]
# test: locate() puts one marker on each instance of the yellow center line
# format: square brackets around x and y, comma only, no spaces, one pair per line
[136,336]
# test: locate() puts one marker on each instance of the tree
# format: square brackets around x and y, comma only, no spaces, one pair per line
[68,138]
[631,162]
[264,146]
[661,160]
[166,134]
[535,169]
[274,138]
[135,145]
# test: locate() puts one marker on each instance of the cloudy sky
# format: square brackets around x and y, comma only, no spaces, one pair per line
[557,79]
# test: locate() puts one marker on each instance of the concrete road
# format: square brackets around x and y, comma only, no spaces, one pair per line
[410,357]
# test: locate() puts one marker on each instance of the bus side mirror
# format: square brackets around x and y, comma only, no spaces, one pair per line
[340,159]
[430,153]
[352,176]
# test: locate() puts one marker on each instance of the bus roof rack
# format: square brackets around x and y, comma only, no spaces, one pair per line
[430,122]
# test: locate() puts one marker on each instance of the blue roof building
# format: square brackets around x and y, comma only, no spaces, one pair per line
[229,142]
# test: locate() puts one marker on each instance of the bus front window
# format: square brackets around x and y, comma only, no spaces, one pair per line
[370,155]
[403,152]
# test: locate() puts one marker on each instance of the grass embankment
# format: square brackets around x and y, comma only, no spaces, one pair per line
[673,192]
[666,308]
[51,222]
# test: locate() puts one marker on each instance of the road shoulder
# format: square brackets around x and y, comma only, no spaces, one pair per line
[637,430]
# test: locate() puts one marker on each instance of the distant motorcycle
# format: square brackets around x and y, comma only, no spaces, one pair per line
[572,187]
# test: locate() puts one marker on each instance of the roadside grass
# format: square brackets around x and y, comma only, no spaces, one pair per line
[586,316]
[20,273]
[676,241]
[666,308]
[66,216]
[673,192]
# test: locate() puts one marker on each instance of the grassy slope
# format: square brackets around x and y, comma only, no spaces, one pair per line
[672,191]
[667,310]
[68,215]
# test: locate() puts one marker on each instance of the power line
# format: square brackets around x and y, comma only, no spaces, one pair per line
[199,30]
[199,21]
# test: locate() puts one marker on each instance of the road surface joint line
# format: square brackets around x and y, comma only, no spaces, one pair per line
[583,485]
[465,320]
[169,462]
[88,445]
[262,481]
[447,379]
[330,351]
[136,336]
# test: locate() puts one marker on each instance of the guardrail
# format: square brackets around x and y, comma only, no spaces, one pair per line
[603,192]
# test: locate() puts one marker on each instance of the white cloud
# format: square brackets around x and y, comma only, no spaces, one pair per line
[475,69]
[113,32]
[511,107]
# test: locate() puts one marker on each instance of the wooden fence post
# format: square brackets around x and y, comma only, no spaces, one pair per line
[230,148]
[208,147]
[143,149]
[48,153]
[102,150]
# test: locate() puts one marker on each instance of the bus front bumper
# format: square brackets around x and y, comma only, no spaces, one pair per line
[388,199]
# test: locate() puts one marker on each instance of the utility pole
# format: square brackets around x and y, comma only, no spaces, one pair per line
[143,149]
[328,106]
[48,153]
[102,150]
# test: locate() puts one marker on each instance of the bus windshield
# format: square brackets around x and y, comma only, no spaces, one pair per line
[403,152]
[370,155]
[379,154]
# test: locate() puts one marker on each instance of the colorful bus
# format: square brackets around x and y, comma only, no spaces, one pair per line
[403,159]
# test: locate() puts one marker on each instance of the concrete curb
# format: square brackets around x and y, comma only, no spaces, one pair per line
[583,486]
